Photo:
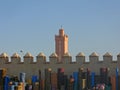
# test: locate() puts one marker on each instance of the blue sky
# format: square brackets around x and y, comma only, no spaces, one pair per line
[30,25]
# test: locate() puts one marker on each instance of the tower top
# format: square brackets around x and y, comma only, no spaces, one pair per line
[61,32]
[61,44]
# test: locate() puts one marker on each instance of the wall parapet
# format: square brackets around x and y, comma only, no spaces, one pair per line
[53,59]
[31,65]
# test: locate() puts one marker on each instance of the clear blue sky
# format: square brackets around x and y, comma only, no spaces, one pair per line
[30,25]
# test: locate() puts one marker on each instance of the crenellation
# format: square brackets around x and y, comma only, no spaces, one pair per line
[53,58]
[67,58]
[94,62]
[28,58]
[4,55]
[41,58]
[54,63]
[94,58]
[61,58]
[107,60]
[80,59]
[4,58]
[15,55]
[15,60]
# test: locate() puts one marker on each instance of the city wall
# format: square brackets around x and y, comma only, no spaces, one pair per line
[14,65]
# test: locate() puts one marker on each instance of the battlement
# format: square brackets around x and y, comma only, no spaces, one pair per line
[53,58]
[31,65]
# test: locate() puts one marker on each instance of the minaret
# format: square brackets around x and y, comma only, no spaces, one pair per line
[61,44]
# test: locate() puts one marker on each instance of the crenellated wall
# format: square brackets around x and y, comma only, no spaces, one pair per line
[15,65]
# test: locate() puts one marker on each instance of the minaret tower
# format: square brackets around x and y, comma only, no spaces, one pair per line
[61,44]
